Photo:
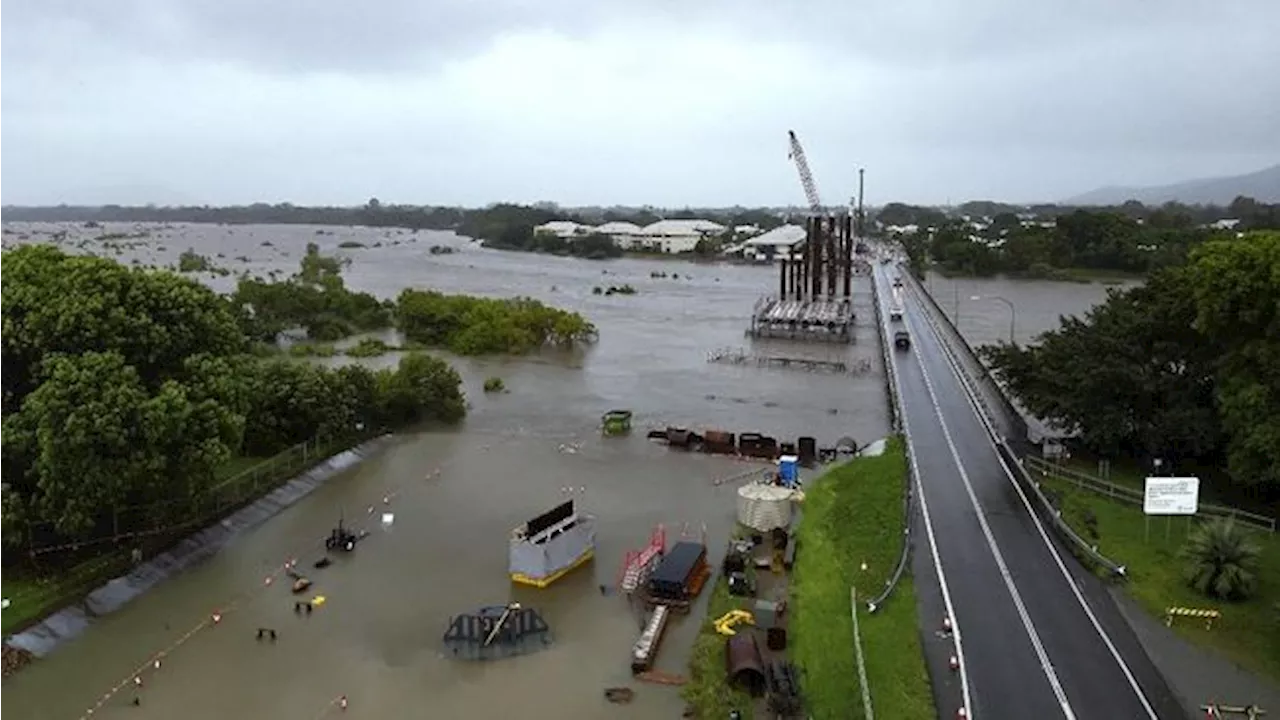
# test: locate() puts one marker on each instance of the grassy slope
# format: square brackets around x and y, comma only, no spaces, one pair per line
[708,690]
[1248,633]
[852,515]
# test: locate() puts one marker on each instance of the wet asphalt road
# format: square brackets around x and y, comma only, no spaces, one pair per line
[1035,644]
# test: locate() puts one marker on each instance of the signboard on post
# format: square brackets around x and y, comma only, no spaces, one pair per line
[1171,496]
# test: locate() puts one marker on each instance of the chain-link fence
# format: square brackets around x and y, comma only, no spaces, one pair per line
[66,568]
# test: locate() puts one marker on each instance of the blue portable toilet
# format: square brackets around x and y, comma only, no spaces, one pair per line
[788,470]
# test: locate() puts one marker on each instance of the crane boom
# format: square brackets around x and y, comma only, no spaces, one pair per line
[806,177]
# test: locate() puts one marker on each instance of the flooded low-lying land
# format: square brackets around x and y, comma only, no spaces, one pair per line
[455,495]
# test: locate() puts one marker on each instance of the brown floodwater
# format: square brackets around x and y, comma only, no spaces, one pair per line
[377,637]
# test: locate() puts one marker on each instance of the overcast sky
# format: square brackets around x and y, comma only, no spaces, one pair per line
[664,102]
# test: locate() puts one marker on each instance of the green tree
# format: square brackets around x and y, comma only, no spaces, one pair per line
[96,439]
[292,402]
[57,303]
[1236,287]
[478,326]
[1221,561]
[1132,377]
[421,388]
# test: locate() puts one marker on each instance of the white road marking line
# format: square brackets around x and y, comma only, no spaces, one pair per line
[933,543]
[1045,664]
[1075,589]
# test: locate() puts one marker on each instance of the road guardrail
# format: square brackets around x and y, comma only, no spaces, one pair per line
[895,417]
[1047,509]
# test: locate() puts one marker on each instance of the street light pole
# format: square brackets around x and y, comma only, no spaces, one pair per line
[1013,313]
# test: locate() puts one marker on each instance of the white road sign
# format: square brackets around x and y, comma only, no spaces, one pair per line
[1171,496]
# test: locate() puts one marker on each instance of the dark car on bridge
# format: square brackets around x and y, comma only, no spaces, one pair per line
[901,340]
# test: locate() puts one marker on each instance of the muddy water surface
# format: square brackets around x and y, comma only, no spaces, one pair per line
[376,639]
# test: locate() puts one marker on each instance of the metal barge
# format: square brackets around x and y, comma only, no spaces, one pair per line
[551,545]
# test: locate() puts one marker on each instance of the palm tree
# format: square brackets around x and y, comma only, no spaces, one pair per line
[1221,561]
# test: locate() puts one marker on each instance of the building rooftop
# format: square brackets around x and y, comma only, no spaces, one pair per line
[618,227]
[557,226]
[783,235]
[683,227]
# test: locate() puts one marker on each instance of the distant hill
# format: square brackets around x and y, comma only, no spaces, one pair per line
[1263,186]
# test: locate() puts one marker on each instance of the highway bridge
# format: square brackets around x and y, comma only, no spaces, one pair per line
[1035,634]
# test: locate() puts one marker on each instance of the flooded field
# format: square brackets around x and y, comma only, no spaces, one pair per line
[377,637]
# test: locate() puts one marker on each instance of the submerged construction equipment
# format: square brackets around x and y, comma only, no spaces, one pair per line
[497,631]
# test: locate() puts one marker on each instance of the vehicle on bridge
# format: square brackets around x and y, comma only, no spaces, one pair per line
[901,340]
[895,314]
[897,281]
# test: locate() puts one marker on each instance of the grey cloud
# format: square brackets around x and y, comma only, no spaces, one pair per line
[291,36]
[230,100]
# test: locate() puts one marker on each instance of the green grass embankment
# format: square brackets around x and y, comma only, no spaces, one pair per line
[708,692]
[853,515]
[1248,632]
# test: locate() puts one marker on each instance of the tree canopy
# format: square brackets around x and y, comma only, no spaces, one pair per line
[314,299]
[1091,240]
[132,388]
[1185,367]
[477,326]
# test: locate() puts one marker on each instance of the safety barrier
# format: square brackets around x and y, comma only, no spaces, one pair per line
[895,416]
[1047,509]
[1206,614]
[1217,711]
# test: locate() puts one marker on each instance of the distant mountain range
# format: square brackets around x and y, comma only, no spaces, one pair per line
[1263,186]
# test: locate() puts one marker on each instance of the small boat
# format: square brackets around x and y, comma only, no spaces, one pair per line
[551,545]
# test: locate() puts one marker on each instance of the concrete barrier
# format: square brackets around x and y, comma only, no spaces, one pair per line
[43,637]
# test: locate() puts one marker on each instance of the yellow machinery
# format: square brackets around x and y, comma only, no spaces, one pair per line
[725,623]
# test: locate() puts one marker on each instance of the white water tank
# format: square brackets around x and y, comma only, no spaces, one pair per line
[764,507]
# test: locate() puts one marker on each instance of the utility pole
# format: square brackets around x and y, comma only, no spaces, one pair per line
[860,230]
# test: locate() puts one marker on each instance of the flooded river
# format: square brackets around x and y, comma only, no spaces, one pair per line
[377,638]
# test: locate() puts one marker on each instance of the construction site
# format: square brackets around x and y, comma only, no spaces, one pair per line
[814,298]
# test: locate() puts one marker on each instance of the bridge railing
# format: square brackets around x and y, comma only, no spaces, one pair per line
[1046,508]
[895,419]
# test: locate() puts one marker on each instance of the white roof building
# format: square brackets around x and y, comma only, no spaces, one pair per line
[619,229]
[677,236]
[563,228]
[775,243]
[781,236]
[624,234]
[678,228]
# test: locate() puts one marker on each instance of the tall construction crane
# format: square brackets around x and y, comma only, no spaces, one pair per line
[806,177]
